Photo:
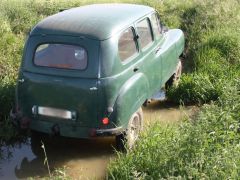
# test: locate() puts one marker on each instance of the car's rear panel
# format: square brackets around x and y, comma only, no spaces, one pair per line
[59,99]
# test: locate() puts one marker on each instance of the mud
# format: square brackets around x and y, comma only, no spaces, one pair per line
[81,159]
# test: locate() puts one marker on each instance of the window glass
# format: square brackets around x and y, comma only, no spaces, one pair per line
[156,25]
[144,32]
[61,56]
[126,44]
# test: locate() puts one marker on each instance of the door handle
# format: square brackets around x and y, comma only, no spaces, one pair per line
[135,69]
[157,49]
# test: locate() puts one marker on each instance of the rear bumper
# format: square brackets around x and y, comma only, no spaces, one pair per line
[72,130]
[109,132]
[61,128]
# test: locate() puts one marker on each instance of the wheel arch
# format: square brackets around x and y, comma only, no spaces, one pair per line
[131,96]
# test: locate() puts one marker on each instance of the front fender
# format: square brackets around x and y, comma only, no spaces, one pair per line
[131,96]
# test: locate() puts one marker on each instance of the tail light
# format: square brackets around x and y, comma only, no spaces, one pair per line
[105,121]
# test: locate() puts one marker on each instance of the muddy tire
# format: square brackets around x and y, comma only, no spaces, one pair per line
[36,144]
[127,139]
[120,142]
[175,78]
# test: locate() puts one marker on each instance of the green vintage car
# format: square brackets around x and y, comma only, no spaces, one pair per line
[87,71]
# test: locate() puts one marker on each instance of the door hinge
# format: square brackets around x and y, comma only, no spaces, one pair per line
[93,88]
[21,80]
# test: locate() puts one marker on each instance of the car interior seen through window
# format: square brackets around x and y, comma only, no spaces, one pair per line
[144,32]
[61,56]
[126,44]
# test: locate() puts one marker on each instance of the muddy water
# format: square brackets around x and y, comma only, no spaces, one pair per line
[82,159]
[166,113]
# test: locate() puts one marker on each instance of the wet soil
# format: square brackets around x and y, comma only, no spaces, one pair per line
[82,159]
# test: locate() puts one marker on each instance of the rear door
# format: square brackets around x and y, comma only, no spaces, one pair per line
[60,74]
[150,41]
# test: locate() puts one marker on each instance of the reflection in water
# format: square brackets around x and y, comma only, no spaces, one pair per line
[84,159]
[30,168]
[18,151]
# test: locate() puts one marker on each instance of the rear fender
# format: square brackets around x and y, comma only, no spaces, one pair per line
[131,96]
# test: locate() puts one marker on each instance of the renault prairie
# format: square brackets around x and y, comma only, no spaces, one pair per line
[87,71]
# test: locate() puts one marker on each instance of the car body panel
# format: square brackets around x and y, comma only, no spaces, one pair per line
[169,52]
[59,92]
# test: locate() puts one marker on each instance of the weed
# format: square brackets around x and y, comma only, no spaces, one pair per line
[46,159]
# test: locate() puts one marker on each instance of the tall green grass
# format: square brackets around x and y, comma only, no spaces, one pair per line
[206,147]
[213,50]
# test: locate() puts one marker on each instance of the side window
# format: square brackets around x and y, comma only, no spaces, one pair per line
[156,25]
[144,32]
[126,44]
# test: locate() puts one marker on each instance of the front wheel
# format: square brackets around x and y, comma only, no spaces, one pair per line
[175,78]
[135,126]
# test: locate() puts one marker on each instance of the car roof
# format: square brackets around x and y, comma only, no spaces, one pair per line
[97,21]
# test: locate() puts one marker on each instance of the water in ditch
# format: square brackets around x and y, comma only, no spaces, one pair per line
[81,159]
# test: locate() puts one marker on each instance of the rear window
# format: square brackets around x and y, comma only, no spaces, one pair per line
[61,56]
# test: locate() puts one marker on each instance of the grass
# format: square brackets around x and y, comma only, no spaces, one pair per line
[204,147]
[207,146]
[57,174]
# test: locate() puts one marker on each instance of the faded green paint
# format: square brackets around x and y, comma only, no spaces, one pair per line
[117,85]
[99,21]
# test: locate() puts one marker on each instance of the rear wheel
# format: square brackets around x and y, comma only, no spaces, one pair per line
[135,126]
[37,140]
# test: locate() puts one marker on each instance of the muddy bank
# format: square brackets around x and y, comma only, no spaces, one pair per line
[83,159]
